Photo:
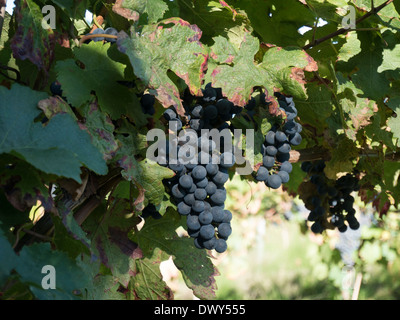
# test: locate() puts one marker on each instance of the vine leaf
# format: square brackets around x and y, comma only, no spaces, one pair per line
[159,49]
[31,41]
[154,9]
[146,174]
[96,69]
[59,148]
[109,230]
[237,73]
[29,266]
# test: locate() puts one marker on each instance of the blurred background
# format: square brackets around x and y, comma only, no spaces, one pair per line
[273,255]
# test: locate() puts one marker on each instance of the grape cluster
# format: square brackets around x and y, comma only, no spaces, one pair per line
[276,167]
[110,31]
[331,199]
[198,185]
[210,111]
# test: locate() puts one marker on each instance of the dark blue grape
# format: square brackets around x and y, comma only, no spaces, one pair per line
[111,31]
[199,173]
[274,181]
[271,151]
[284,176]
[183,208]
[170,114]
[280,136]
[270,138]
[268,161]
[186,181]
[224,230]
[97,31]
[210,112]
[200,194]
[198,206]
[220,245]
[205,217]
[212,169]
[192,222]
[218,214]
[227,160]
[262,174]
[218,197]
[286,166]
[189,199]
[207,232]
[211,188]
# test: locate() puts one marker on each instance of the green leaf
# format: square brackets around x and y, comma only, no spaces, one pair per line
[99,73]
[351,48]
[108,230]
[101,130]
[342,159]
[154,9]
[391,59]
[237,73]
[276,21]
[160,48]
[69,277]
[59,148]
[212,18]
[8,258]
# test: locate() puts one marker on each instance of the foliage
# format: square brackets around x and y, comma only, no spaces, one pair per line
[79,153]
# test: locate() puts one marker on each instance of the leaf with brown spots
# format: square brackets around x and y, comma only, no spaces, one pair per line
[161,48]
[31,41]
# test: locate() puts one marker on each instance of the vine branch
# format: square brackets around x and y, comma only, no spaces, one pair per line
[374,10]
[317,153]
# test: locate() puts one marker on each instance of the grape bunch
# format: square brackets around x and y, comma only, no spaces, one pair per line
[276,167]
[198,185]
[109,31]
[331,199]
[212,110]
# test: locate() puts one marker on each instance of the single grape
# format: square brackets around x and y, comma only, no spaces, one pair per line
[262,174]
[183,208]
[218,214]
[268,161]
[224,230]
[220,245]
[212,169]
[274,181]
[192,221]
[219,197]
[207,232]
[186,181]
[113,32]
[199,173]
[200,194]
[284,176]
[205,217]
[198,206]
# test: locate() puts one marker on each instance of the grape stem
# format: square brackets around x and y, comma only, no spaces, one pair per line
[374,10]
